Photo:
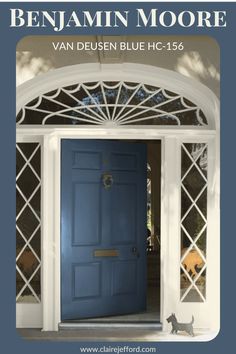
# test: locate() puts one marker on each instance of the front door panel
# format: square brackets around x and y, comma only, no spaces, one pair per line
[103,228]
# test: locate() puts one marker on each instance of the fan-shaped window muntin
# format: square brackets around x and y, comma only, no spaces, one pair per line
[111,103]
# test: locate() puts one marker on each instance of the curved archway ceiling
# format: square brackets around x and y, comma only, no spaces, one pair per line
[111,103]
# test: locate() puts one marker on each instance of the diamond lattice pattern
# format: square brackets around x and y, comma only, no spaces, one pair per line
[193,222]
[111,103]
[28,222]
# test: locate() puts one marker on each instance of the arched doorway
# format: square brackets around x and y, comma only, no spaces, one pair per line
[132,102]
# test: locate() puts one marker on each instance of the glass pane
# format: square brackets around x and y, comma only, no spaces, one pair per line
[85,99]
[20,202]
[33,102]
[193,223]
[50,106]
[189,118]
[66,99]
[19,283]
[202,203]
[124,96]
[152,88]
[20,161]
[27,222]
[27,148]
[141,95]
[173,106]
[201,283]
[35,162]
[202,162]
[27,182]
[27,263]
[36,243]
[33,117]
[192,296]
[185,283]
[201,243]
[20,242]
[195,149]
[185,203]
[202,115]
[186,162]
[111,95]
[35,283]
[27,296]
[35,202]
[19,116]
[194,182]
[185,243]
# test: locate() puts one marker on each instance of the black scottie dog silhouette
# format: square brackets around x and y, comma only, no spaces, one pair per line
[176,326]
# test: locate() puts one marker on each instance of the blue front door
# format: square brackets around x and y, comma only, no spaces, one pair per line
[103,228]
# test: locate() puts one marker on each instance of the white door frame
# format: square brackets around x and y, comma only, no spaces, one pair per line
[170,190]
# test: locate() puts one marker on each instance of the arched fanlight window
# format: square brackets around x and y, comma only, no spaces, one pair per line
[111,103]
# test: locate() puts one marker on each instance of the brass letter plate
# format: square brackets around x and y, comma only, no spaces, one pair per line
[106,253]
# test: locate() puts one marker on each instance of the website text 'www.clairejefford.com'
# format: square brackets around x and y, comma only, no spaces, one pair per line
[118,349]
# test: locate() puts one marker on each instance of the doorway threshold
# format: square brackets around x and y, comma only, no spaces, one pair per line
[149,319]
[71,325]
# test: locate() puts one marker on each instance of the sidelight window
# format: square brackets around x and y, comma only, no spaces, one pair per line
[193,262]
[28,222]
